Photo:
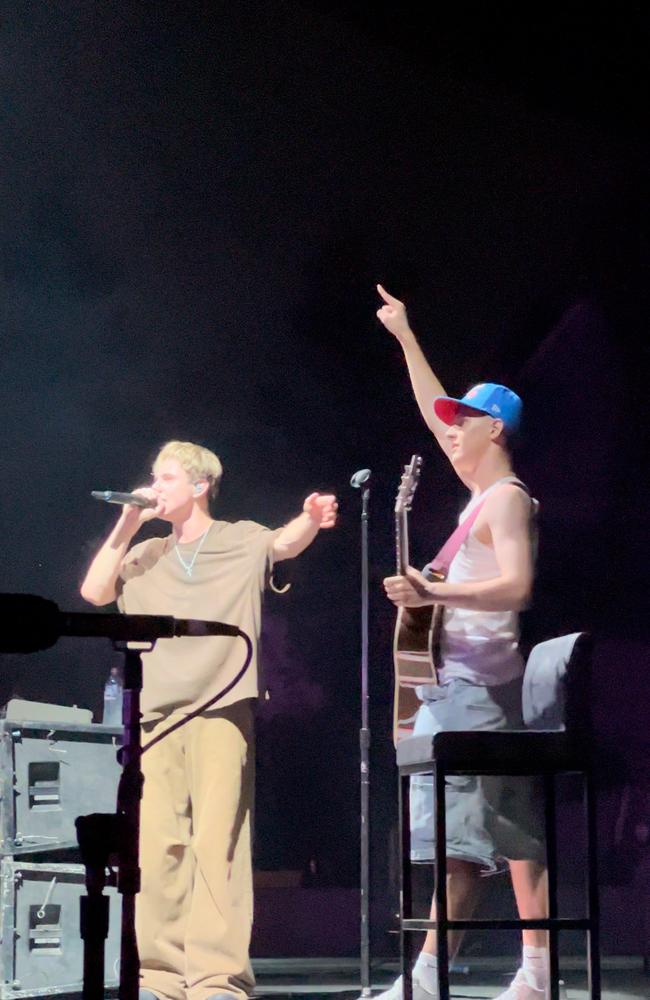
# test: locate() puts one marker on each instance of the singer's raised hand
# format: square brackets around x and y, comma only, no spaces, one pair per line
[322,509]
[393,315]
[319,511]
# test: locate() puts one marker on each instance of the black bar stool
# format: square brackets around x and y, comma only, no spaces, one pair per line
[557,743]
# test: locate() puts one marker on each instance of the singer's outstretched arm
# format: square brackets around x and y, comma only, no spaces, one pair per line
[426,385]
[318,512]
[99,583]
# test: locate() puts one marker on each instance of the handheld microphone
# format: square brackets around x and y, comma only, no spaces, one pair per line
[134,499]
[359,478]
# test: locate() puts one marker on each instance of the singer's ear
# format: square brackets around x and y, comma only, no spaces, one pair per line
[200,488]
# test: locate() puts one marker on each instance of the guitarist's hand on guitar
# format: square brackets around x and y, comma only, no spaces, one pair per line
[410,591]
[393,315]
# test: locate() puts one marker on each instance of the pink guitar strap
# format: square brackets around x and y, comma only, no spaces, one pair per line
[442,562]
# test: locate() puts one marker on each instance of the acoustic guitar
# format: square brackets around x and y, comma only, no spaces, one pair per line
[413,644]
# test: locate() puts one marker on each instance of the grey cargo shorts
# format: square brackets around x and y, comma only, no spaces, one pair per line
[489,818]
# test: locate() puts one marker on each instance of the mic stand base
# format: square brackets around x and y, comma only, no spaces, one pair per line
[98,838]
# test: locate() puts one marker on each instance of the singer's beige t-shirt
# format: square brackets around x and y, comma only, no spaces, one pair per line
[228,577]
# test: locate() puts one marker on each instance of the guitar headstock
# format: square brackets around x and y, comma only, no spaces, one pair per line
[408,484]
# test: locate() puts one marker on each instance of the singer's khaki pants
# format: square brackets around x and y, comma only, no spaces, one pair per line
[194,913]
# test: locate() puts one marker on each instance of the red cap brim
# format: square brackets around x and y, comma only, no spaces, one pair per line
[446,408]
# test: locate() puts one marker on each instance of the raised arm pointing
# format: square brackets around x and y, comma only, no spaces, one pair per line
[426,385]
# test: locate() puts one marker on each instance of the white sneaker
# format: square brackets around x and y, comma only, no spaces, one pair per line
[396,991]
[521,988]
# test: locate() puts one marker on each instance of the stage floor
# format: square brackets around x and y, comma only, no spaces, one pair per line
[623,979]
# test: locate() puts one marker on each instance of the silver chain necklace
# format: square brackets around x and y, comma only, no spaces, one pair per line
[189,566]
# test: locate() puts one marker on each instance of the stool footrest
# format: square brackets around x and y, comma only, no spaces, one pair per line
[559,923]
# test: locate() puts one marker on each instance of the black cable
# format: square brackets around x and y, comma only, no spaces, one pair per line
[211,701]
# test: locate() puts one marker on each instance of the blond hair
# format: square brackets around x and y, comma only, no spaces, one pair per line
[200,463]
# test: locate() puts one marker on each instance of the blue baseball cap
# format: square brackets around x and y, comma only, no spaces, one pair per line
[486,397]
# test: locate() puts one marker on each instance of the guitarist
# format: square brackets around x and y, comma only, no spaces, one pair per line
[490,820]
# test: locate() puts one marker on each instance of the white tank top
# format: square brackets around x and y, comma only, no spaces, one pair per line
[479,646]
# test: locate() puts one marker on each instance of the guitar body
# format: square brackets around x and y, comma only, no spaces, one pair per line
[414,664]
[416,628]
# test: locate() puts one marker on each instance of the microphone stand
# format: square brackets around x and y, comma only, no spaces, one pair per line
[105,835]
[358,479]
[128,811]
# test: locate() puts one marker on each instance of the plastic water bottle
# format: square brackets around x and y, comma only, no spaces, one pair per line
[113,699]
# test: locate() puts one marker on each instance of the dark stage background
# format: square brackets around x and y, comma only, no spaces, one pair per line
[195,210]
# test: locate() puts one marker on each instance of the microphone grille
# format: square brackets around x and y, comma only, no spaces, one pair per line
[359,478]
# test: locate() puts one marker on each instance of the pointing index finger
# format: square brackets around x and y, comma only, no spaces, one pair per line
[387,297]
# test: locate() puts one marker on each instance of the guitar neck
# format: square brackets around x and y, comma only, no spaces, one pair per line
[405,493]
[402,542]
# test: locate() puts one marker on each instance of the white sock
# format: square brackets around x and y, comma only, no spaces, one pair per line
[427,971]
[535,964]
